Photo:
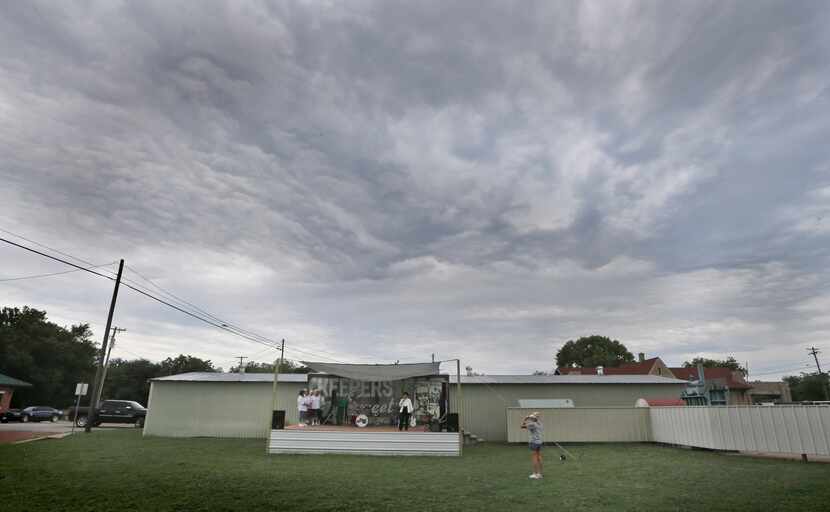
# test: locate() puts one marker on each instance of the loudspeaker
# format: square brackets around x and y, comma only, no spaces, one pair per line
[277,420]
[452,422]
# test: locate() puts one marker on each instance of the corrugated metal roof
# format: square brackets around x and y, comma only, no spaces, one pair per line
[233,377]
[566,379]
[477,379]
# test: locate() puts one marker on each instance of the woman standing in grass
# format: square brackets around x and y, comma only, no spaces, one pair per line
[534,431]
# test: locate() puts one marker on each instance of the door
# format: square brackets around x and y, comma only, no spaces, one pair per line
[108,411]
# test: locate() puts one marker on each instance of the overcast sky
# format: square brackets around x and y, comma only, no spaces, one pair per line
[380,181]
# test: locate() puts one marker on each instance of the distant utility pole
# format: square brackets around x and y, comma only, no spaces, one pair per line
[114,330]
[815,352]
[93,401]
[241,368]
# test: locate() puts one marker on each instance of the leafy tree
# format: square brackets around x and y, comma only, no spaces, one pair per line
[184,364]
[130,380]
[590,351]
[729,362]
[287,366]
[50,357]
[808,386]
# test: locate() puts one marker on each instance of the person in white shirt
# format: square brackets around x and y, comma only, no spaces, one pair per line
[302,407]
[314,409]
[405,410]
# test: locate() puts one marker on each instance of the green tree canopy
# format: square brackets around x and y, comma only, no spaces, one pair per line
[808,387]
[287,366]
[593,350]
[729,362]
[50,357]
[184,364]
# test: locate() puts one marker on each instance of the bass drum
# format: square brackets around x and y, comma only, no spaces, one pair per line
[361,421]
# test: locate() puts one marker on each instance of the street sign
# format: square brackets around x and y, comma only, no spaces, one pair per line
[81,389]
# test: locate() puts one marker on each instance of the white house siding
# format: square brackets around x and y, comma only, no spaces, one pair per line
[484,411]
[216,409]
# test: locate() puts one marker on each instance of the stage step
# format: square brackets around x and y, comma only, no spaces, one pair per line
[364,442]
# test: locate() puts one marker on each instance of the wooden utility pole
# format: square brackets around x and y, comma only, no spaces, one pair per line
[115,330]
[826,388]
[93,400]
[240,369]
[460,406]
[277,366]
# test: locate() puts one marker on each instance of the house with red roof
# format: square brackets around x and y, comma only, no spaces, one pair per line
[643,366]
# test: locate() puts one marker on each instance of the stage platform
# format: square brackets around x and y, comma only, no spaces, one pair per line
[363,441]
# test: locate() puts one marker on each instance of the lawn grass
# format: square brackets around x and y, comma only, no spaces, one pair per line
[120,470]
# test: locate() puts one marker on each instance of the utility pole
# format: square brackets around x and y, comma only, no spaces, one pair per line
[114,330]
[93,401]
[815,352]
[241,368]
[276,421]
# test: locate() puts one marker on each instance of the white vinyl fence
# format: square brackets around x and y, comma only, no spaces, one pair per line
[781,428]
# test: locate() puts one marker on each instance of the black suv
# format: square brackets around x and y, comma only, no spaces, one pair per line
[115,411]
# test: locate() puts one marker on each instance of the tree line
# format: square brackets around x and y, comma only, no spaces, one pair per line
[54,358]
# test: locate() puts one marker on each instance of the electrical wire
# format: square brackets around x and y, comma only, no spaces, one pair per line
[230,325]
[256,338]
[37,276]
[92,265]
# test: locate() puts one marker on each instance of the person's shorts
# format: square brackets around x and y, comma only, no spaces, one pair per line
[535,447]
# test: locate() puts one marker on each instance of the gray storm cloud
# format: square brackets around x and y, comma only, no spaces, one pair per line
[381,181]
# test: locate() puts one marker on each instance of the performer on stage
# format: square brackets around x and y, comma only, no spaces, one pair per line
[405,410]
[534,432]
[314,408]
[302,407]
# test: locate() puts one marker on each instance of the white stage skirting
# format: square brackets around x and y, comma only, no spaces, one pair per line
[364,442]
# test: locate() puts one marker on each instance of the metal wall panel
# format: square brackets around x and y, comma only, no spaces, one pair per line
[595,424]
[216,409]
[364,443]
[484,409]
[778,429]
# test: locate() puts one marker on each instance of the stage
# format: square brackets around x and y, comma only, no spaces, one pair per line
[363,441]
[374,396]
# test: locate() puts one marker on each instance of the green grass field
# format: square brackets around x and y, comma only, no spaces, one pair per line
[120,470]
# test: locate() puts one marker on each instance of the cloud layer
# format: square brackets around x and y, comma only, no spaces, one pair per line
[381,181]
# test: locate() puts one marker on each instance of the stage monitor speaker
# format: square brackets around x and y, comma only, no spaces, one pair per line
[277,420]
[452,422]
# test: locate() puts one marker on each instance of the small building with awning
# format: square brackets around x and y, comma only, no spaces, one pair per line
[7,387]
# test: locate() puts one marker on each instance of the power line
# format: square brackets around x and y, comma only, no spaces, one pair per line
[220,320]
[37,276]
[92,265]
[250,336]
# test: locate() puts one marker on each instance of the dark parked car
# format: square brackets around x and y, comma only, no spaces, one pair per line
[114,411]
[11,415]
[40,413]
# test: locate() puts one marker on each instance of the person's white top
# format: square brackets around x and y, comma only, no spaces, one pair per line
[301,403]
[315,402]
[405,402]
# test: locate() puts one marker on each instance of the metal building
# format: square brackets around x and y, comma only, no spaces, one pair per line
[239,405]
[485,398]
